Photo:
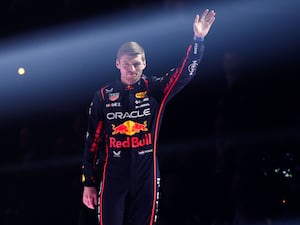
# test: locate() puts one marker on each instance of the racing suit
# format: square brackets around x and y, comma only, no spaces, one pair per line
[123,127]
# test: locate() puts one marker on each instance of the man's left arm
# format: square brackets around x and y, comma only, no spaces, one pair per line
[180,76]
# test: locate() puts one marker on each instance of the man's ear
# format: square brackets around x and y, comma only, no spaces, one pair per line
[145,64]
[117,63]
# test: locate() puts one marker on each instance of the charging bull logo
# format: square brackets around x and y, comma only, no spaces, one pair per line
[129,127]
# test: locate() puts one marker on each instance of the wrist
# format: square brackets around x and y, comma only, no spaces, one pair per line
[198,38]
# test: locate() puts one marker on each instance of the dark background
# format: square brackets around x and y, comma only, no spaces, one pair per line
[44,113]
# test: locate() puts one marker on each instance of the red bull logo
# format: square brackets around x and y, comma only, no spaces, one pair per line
[129,128]
[130,142]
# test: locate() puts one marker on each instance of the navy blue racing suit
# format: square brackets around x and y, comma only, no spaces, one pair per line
[123,127]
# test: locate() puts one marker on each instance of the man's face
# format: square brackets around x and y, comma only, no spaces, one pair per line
[131,68]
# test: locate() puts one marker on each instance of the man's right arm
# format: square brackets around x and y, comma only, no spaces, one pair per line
[92,142]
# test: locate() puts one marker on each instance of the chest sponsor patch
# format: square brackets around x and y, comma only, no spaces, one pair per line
[113,96]
[141,94]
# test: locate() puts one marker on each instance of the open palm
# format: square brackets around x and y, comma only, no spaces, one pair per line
[203,23]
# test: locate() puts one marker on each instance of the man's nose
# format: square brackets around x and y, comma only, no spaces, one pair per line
[132,68]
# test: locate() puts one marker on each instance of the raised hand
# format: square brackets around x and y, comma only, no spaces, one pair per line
[203,23]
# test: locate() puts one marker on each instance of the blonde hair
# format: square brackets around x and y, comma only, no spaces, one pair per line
[131,48]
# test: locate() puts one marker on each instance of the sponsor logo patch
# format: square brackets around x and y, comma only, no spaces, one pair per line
[129,127]
[141,94]
[113,96]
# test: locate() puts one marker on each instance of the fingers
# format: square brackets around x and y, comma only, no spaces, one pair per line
[89,197]
[211,19]
[89,201]
[95,201]
[208,16]
[196,19]
[205,12]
